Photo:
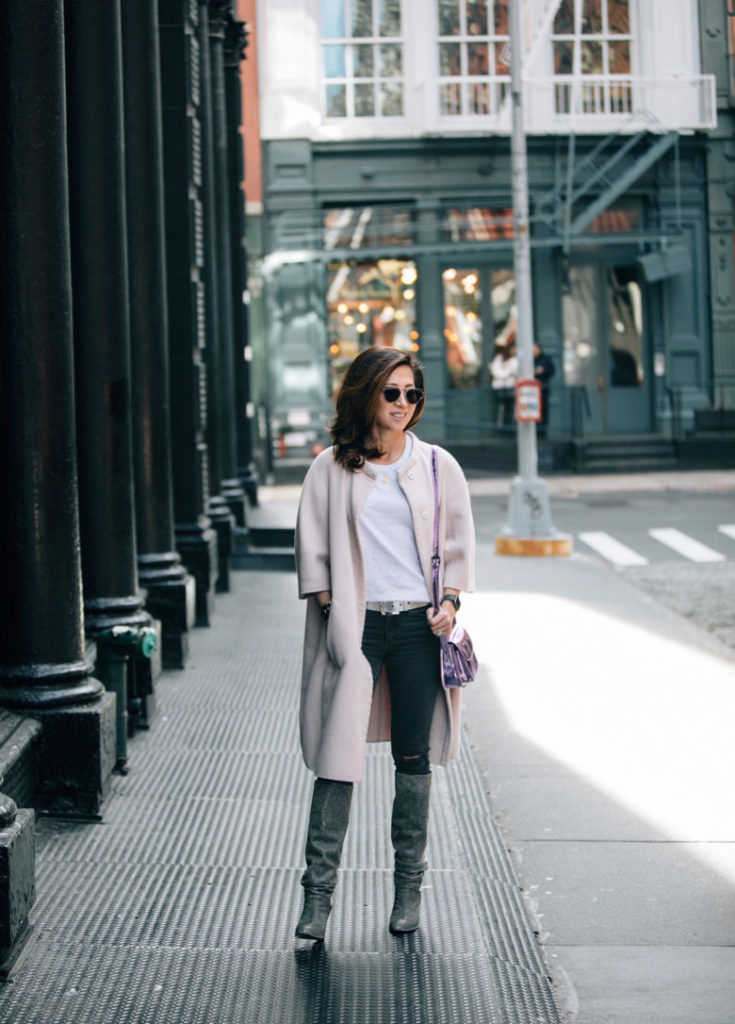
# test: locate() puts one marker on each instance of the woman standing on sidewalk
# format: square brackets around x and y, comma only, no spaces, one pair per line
[364,541]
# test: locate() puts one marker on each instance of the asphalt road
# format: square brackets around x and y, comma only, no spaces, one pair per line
[679,546]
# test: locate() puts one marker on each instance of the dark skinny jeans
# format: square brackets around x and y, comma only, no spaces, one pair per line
[409,650]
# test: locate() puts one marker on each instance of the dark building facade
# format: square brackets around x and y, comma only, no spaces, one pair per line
[122,441]
[388,221]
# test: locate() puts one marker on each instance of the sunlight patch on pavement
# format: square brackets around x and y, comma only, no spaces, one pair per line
[645,718]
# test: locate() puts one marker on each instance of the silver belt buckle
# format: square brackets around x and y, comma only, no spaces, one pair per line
[391,607]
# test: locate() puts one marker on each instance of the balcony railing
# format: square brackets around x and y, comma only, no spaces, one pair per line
[589,104]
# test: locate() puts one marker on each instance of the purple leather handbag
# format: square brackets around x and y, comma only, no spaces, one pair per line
[458,658]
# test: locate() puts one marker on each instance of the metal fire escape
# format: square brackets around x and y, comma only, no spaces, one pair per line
[593,182]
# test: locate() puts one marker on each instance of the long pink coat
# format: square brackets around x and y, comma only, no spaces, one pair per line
[339,714]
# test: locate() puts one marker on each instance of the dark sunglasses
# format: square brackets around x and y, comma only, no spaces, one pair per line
[393,393]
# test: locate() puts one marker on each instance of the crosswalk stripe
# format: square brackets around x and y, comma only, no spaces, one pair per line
[685,545]
[612,549]
[728,530]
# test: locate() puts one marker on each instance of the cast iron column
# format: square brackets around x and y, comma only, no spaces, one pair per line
[93,36]
[231,486]
[182,165]
[45,670]
[218,508]
[170,591]
[236,40]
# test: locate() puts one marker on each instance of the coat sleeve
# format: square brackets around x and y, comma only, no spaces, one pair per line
[312,530]
[458,556]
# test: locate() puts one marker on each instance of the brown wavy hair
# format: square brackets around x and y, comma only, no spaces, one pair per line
[358,398]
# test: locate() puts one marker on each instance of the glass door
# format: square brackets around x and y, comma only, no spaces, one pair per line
[627,392]
[604,347]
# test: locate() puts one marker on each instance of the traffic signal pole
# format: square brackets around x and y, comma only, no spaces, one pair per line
[529,530]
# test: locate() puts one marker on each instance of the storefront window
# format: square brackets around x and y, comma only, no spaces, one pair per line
[472,296]
[463,326]
[371,303]
[617,221]
[479,224]
[356,227]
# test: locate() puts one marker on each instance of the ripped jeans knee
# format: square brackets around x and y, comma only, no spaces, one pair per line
[412,764]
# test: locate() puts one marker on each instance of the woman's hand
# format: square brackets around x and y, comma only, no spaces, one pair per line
[441,621]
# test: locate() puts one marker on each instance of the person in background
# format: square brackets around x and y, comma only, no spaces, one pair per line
[371,662]
[543,369]
[504,374]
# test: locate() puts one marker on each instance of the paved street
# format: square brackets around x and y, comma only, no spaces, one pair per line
[606,741]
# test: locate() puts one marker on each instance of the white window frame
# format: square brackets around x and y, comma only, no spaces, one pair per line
[351,123]
[498,85]
[597,88]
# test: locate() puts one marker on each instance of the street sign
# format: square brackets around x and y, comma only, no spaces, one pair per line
[528,400]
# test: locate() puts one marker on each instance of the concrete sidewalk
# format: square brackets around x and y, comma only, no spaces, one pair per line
[606,742]
[180,907]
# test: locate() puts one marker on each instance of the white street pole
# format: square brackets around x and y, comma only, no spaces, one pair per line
[527,452]
[529,530]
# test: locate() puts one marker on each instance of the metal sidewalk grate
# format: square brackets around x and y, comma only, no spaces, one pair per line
[180,907]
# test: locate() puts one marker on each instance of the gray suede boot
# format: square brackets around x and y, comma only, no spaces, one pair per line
[408,832]
[330,813]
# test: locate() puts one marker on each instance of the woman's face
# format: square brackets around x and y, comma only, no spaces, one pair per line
[395,416]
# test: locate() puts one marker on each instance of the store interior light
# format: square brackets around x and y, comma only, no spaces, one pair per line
[361,328]
[363,307]
[342,307]
[409,275]
[414,335]
[408,294]
[334,350]
[415,347]
[349,320]
[449,274]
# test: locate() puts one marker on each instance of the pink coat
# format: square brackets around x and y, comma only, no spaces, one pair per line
[339,714]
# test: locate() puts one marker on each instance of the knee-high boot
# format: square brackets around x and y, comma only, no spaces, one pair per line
[408,832]
[330,813]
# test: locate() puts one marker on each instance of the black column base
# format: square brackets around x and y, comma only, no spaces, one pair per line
[234,495]
[170,598]
[249,482]
[76,755]
[17,882]
[223,523]
[197,545]
[18,738]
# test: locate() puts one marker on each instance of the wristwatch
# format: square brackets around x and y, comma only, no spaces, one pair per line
[454,598]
